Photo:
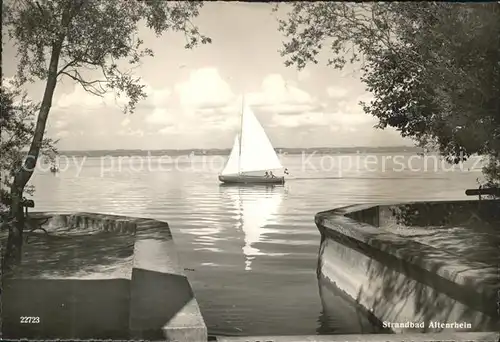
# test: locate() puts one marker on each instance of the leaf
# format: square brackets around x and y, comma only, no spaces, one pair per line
[432,67]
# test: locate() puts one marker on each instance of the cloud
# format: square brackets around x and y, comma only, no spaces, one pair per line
[276,95]
[59,124]
[302,120]
[206,93]
[80,98]
[203,109]
[159,116]
[125,122]
[365,97]
[157,97]
[205,88]
[344,115]
[290,108]
[169,129]
[62,134]
[209,119]
[83,99]
[131,132]
[206,101]
[336,92]
[303,75]
[207,97]
[350,118]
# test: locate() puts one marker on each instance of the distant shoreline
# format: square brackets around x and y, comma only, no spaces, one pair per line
[291,151]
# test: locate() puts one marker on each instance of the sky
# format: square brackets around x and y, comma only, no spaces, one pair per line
[194,96]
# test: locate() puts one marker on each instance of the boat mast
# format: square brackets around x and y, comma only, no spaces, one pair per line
[241,132]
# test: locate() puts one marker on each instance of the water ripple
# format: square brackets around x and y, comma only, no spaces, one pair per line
[253,249]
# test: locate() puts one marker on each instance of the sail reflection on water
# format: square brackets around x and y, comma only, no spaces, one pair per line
[257,210]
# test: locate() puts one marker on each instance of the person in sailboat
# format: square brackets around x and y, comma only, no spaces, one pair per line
[271,174]
[255,154]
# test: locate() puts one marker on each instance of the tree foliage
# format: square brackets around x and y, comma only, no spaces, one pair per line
[79,39]
[17,126]
[433,68]
[94,35]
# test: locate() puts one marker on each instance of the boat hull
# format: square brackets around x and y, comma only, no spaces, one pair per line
[246,179]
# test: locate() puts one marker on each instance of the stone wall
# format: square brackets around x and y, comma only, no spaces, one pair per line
[401,280]
[105,277]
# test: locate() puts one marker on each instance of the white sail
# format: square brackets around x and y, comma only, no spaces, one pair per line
[257,152]
[256,208]
[233,164]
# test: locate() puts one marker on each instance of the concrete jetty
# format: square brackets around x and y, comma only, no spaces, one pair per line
[427,271]
[98,276]
[417,267]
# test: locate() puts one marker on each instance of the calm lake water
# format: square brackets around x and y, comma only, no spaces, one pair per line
[251,252]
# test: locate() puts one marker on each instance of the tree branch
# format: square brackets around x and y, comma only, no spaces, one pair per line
[70,64]
[94,87]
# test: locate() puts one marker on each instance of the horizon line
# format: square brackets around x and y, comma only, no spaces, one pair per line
[228,148]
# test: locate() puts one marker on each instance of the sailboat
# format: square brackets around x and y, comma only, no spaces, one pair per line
[252,155]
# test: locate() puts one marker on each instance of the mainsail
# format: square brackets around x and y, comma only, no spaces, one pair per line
[233,164]
[252,149]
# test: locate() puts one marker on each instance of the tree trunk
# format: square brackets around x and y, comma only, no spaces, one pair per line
[13,253]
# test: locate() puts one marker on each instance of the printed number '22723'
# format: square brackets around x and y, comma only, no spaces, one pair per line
[30,319]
